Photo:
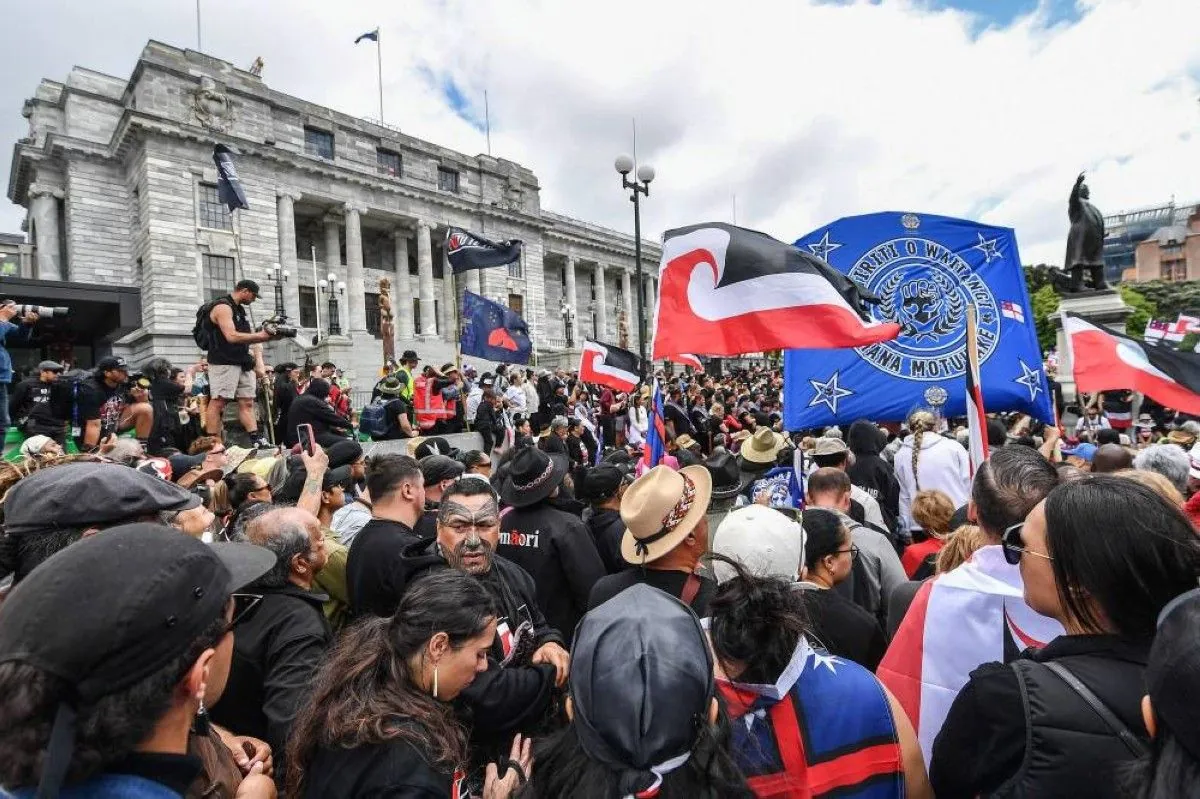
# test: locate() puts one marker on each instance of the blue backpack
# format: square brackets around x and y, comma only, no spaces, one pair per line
[373,420]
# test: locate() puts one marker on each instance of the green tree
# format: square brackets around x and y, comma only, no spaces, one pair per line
[1143,310]
[1045,302]
[1171,298]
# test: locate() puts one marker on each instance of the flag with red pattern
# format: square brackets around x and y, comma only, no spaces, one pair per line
[726,290]
[610,366]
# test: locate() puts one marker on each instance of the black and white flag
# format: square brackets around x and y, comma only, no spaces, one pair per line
[466,251]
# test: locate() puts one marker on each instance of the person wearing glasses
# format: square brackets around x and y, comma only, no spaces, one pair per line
[277,653]
[843,627]
[1103,556]
[113,704]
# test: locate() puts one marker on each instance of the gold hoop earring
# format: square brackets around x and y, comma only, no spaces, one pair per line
[435,682]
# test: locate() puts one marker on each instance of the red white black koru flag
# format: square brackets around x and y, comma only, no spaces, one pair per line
[726,290]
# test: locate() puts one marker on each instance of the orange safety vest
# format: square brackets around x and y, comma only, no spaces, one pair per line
[430,406]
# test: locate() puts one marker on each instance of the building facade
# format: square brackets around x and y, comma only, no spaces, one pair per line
[1124,232]
[120,186]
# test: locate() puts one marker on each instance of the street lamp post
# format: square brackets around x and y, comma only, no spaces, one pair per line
[332,288]
[281,276]
[568,316]
[639,185]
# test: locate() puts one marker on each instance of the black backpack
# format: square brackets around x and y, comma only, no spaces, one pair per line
[203,329]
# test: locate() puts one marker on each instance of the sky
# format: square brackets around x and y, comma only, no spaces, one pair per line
[780,115]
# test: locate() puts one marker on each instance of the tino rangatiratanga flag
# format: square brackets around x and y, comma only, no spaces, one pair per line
[610,366]
[466,251]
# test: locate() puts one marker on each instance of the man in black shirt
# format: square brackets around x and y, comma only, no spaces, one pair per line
[40,405]
[373,580]
[103,408]
[230,364]
[667,533]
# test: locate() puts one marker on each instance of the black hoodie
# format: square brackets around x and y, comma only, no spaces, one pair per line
[871,472]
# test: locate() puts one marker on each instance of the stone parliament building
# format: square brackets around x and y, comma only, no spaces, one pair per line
[125,226]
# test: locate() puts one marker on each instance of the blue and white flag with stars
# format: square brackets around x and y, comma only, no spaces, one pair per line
[925,270]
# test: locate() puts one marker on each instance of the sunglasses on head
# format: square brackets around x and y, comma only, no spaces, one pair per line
[1014,547]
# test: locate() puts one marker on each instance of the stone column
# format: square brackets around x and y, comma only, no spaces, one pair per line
[356,300]
[286,212]
[44,210]
[628,306]
[569,291]
[333,264]
[471,281]
[402,293]
[425,282]
[601,303]
[449,319]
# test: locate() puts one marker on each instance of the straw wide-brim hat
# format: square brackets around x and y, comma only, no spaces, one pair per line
[741,435]
[660,509]
[685,442]
[763,446]
[1182,437]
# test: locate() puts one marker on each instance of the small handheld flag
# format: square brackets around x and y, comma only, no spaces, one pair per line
[466,251]
[229,186]
[610,366]
[493,332]
[656,435]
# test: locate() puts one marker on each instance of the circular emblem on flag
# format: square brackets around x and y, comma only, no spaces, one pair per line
[925,288]
[936,396]
[910,221]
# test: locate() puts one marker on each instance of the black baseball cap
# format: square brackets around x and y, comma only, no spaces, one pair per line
[341,476]
[436,468]
[111,362]
[81,618]
[433,446]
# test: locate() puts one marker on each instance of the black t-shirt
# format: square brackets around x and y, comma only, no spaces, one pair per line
[844,628]
[96,400]
[373,577]
[672,582]
[389,769]
[222,352]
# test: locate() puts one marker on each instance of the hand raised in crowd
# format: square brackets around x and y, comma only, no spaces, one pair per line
[317,462]
[501,785]
[557,657]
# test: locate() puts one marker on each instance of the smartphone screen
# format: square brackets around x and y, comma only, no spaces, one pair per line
[305,433]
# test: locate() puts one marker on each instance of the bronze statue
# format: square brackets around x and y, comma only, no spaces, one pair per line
[1085,240]
[387,328]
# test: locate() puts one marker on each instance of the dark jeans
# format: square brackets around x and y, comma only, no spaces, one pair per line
[4,420]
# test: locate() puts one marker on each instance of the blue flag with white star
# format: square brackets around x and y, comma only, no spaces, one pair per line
[925,270]
[492,331]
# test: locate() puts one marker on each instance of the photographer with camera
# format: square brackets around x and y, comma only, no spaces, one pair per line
[225,332]
[41,405]
[26,316]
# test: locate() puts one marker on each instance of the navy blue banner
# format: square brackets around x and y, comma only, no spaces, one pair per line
[229,186]
[494,332]
[466,251]
[925,269]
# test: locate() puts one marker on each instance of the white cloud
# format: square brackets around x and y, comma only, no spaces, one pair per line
[807,112]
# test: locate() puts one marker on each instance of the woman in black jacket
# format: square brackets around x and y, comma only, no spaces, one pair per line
[379,720]
[870,471]
[1103,555]
[312,407]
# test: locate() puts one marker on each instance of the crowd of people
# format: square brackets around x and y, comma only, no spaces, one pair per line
[838,612]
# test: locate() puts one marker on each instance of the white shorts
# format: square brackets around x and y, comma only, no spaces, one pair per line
[231,382]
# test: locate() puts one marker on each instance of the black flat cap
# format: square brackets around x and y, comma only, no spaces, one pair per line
[641,682]
[86,495]
[436,468]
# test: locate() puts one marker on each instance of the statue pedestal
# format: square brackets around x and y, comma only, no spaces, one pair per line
[1103,308]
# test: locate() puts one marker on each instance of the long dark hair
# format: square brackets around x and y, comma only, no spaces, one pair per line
[365,693]
[1120,545]
[756,622]
[562,768]
[823,535]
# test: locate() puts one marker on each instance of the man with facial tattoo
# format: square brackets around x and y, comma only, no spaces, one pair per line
[528,658]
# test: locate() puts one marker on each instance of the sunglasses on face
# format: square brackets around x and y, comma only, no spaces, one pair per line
[1014,547]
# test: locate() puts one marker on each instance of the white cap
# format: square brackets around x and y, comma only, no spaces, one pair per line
[766,542]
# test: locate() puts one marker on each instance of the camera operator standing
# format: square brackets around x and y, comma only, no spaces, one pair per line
[231,365]
[8,310]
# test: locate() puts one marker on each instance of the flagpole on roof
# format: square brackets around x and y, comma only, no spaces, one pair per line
[487,121]
[199,47]
[379,66]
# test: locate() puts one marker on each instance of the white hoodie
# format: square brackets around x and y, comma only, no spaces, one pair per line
[942,464]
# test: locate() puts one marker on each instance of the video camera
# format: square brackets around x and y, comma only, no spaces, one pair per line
[47,311]
[279,324]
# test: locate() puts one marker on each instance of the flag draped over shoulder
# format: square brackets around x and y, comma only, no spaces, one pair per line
[607,365]
[964,618]
[229,186]
[926,271]
[493,332]
[726,290]
[1104,360]
[466,251]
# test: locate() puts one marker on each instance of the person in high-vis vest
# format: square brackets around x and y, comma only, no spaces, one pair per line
[427,403]
[408,362]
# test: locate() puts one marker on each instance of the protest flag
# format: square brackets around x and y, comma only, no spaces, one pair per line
[726,290]
[492,331]
[610,366]
[1104,360]
[687,359]
[976,416]
[372,36]
[926,271]
[656,435]
[466,251]
[229,186]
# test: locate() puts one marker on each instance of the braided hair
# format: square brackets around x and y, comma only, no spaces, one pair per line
[920,423]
